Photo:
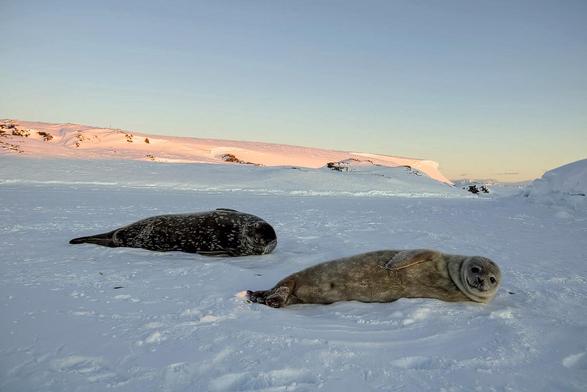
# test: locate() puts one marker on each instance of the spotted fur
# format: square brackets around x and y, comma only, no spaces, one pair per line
[222,232]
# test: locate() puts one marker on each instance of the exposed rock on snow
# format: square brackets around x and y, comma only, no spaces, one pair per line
[474,186]
[367,167]
[233,159]
[475,190]
[45,135]
[350,164]
[9,129]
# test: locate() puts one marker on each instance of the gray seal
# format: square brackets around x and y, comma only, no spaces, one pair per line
[385,276]
[222,232]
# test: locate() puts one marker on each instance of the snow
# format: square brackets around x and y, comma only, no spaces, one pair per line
[83,142]
[565,186]
[362,181]
[88,318]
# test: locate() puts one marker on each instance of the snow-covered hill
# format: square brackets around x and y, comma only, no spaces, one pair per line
[80,141]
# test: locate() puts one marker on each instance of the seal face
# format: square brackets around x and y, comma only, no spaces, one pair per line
[385,276]
[477,277]
[222,232]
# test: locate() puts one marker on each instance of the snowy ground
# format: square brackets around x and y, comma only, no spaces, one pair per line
[87,318]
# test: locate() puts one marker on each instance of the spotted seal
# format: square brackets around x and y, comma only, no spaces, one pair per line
[222,232]
[385,276]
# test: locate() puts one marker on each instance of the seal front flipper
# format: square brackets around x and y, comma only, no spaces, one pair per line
[219,253]
[104,239]
[226,209]
[408,258]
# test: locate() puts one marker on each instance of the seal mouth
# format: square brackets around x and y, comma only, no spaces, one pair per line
[475,285]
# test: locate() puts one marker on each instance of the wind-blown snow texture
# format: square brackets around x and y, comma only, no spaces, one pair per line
[88,318]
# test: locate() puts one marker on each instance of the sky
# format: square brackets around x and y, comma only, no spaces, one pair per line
[489,89]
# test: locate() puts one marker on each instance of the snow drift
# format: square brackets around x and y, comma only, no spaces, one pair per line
[564,186]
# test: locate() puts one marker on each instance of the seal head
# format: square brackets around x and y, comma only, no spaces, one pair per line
[259,238]
[477,277]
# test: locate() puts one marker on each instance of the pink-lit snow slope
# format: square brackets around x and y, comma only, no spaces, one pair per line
[39,139]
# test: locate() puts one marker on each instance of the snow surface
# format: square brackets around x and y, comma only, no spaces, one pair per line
[564,186]
[83,142]
[89,318]
[365,180]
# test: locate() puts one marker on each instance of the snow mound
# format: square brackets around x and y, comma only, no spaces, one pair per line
[564,186]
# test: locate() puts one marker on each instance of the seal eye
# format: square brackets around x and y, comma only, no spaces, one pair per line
[492,279]
[475,270]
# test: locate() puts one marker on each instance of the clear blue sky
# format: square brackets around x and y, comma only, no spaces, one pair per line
[487,88]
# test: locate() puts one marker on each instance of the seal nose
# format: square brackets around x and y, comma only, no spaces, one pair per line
[269,247]
[480,281]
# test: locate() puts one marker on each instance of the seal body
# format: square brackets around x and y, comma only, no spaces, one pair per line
[222,232]
[385,276]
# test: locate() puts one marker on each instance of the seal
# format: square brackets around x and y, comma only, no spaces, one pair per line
[222,232]
[385,276]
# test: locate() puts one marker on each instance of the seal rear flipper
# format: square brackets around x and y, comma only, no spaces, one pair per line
[279,296]
[258,296]
[98,239]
